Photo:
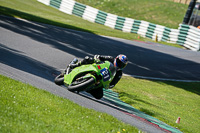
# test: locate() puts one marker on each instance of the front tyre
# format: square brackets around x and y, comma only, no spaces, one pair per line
[59,80]
[81,85]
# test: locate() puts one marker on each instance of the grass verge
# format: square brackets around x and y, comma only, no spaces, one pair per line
[49,15]
[164,100]
[163,12]
[25,108]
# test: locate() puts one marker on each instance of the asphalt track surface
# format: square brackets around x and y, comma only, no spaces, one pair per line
[34,53]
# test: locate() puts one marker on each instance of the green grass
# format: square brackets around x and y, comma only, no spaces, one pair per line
[164,100]
[24,108]
[163,12]
[49,15]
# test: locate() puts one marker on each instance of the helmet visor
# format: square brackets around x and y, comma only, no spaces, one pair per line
[120,64]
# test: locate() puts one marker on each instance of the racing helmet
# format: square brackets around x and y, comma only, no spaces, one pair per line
[121,61]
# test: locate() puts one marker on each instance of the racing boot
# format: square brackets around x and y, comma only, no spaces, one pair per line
[86,60]
[74,61]
[72,66]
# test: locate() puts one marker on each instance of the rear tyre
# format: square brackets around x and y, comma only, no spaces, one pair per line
[81,85]
[59,80]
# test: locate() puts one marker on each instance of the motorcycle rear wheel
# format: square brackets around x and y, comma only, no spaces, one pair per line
[59,80]
[81,85]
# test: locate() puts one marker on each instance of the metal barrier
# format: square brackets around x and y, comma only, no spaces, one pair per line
[187,36]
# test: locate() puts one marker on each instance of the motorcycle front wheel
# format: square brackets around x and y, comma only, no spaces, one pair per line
[59,80]
[81,85]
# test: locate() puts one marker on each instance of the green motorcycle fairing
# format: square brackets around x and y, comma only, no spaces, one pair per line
[104,69]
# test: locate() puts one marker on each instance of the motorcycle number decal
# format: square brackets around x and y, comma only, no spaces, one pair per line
[105,73]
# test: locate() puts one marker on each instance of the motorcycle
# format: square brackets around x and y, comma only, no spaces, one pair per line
[87,77]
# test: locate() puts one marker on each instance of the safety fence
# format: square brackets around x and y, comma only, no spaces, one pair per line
[187,36]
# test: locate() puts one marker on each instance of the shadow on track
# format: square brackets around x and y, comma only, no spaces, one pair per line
[143,61]
[16,59]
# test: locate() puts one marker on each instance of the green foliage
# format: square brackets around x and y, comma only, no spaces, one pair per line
[24,108]
[165,100]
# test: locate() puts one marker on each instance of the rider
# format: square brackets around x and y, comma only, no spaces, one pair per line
[119,62]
